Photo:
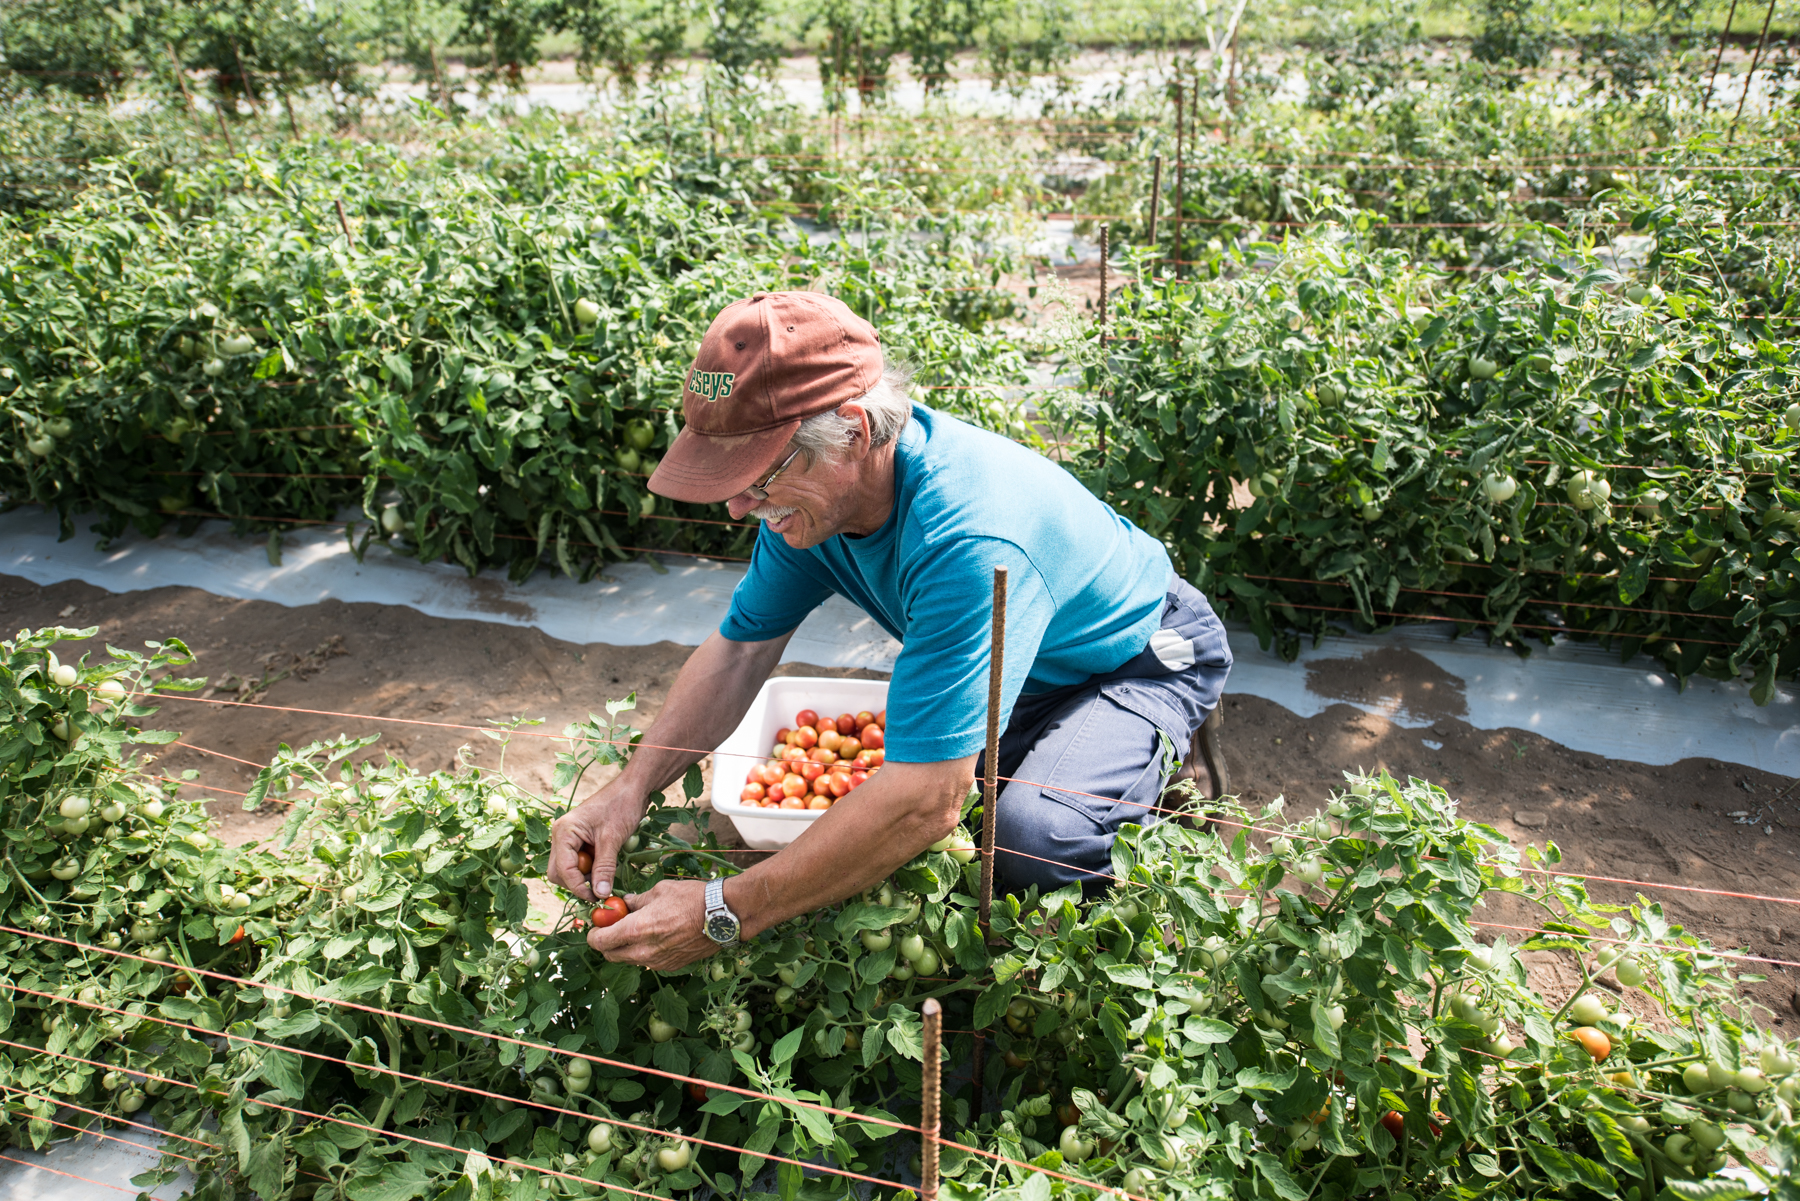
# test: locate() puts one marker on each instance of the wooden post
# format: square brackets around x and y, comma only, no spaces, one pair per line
[293,125]
[990,788]
[1155,198]
[1180,179]
[225,129]
[1105,253]
[929,1103]
[345,223]
[1751,77]
[1725,36]
[437,71]
[244,77]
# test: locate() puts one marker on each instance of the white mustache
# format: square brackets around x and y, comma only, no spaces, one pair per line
[771,512]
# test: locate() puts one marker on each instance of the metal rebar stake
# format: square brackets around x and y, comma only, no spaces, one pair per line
[933,1014]
[1105,253]
[1155,198]
[1749,79]
[1180,180]
[990,785]
[1724,37]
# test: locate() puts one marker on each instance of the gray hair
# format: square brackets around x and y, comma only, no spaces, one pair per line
[888,405]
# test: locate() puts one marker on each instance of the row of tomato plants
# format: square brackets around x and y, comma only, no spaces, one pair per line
[1559,448]
[490,360]
[369,1009]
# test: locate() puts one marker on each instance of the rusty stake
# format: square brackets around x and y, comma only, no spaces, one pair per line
[1155,198]
[990,791]
[932,1086]
[1105,253]
[345,222]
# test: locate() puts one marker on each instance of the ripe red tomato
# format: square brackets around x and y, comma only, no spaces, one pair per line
[858,779]
[794,801]
[698,1091]
[611,910]
[1067,1114]
[819,802]
[806,738]
[876,757]
[846,723]
[850,748]
[810,771]
[881,719]
[1394,1124]
[860,763]
[822,785]
[829,738]
[807,717]
[840,783]
[821,755]
[793,784]
[236,938]
[864,718]
[871,737]
[584,861]
[781,735]
[752,794]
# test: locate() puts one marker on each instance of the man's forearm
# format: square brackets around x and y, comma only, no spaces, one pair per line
[854,845]
[709,697]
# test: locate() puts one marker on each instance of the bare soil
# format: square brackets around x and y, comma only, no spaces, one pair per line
[429,686]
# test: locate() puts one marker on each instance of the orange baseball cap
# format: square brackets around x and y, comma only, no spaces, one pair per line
[767,363]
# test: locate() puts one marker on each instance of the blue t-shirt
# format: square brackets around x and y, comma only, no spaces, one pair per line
[1084,585]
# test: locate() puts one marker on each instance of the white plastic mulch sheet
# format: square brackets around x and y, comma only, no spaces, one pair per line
[1573,694]
[86,1169]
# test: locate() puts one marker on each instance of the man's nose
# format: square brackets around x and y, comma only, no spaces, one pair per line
[739,505]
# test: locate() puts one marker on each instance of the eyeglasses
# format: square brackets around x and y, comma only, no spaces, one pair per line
[761,491]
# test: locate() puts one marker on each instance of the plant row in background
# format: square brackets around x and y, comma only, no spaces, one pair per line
[367,1008]
[502,350]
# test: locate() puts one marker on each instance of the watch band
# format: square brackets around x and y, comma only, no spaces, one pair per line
[721,924]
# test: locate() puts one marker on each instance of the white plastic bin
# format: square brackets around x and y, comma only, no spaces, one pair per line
[774,707]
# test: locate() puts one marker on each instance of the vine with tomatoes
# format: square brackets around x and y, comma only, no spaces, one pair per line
[1259,1006]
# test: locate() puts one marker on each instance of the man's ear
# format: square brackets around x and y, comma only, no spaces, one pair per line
[859,447]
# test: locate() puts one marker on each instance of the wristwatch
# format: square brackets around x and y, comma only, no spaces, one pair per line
[722,924]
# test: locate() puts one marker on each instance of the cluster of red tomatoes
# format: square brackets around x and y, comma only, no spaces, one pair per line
[818,760]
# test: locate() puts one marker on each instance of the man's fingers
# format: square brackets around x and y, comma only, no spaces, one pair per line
[567,837]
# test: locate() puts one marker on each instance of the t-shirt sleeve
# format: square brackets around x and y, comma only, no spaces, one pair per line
[937,701]
[776,594]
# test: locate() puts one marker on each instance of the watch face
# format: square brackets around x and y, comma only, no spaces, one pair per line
[722,927]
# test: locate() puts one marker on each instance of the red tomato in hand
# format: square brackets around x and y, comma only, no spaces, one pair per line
[807,717]
[871,738]
[846,723]
[611,910]
[584,861]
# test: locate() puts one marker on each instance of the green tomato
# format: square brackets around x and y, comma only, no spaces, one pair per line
[1588,1010]
[599,1138]
[1587,490]
[661,1031]
[1371,511]
[580,1068]
[877,940]
[1499,488]
[674,1157]
[1074,1147]
[1630,973]
[131,1100]
[639,434]
[1480,368]
[1791,418]
[1695,1079]
[1707,1136]
[1681,1150]
[586,311]
[927,963]
[40,445]
[628,460]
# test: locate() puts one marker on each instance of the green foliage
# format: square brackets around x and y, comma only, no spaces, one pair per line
[226,349]
[1322,1012]
[1363,401]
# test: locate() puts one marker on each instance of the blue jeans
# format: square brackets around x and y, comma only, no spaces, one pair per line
[1116,738]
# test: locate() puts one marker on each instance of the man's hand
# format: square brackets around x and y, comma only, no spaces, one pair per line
[604,821]
[665,929]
